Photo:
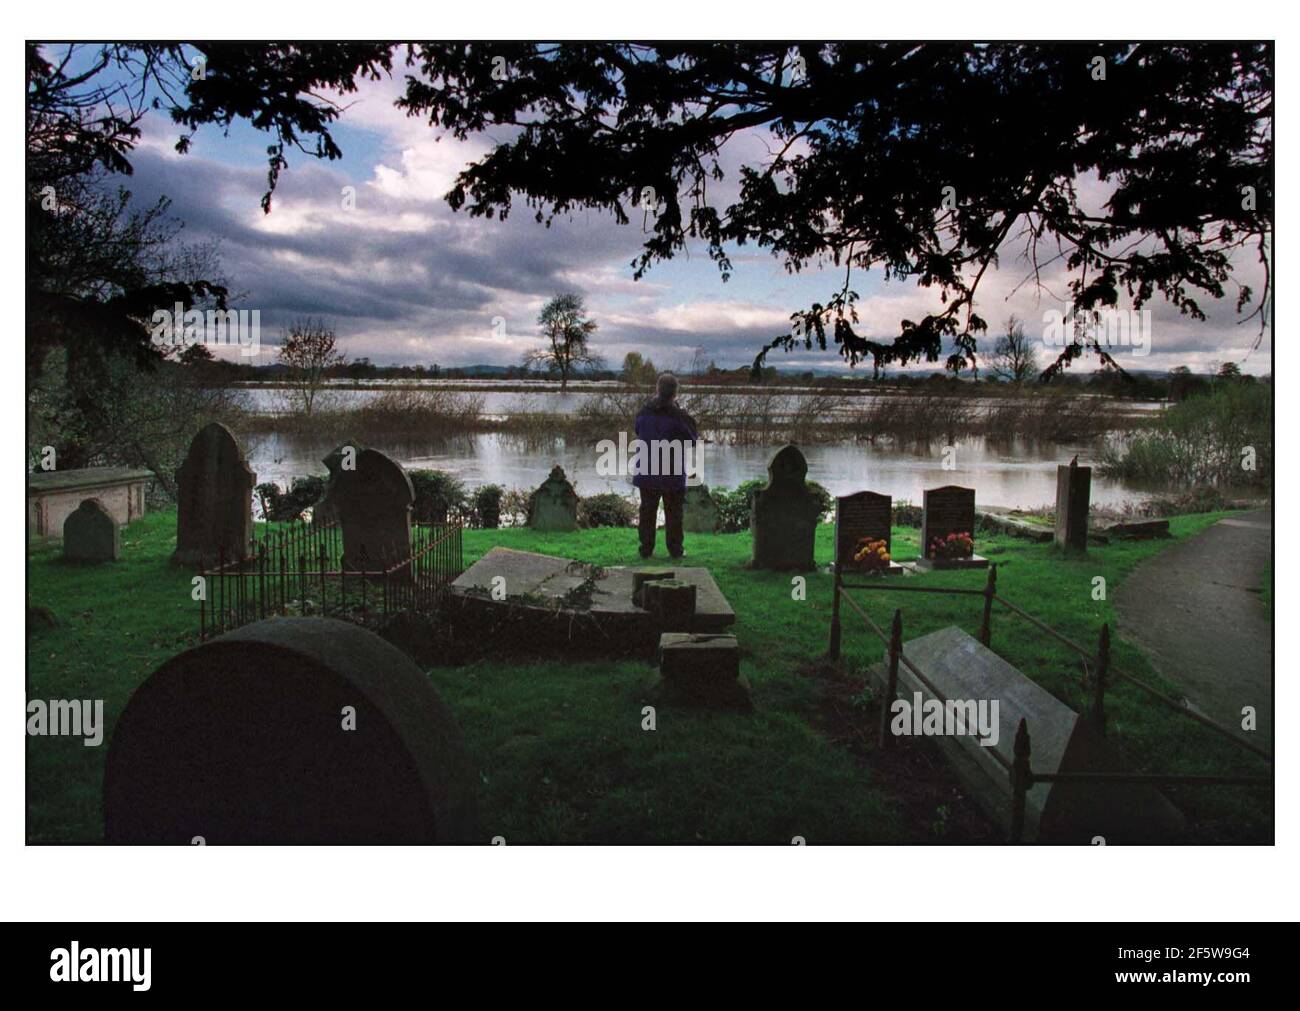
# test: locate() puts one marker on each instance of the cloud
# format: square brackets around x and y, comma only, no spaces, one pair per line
[405,279]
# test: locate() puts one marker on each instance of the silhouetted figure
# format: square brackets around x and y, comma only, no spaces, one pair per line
[659,424]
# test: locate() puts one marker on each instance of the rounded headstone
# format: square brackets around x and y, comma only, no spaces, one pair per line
[370,496]
[288,731]
[785,514]
[788,466]
[90,534]
[214,489]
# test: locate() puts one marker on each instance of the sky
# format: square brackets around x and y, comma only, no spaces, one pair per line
[403,279]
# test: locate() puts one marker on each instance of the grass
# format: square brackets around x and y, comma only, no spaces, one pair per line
[558,742]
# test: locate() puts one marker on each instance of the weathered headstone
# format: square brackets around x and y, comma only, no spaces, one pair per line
[214,499]
[554,505]
[701,512]
[672,602]
[947,517]
[370,496]
[861,517]
[289,731]
[642,576]
[1073,491]
[785,515]
[703,669]
[90,535]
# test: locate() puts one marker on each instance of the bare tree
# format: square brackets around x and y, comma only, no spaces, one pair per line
[1014,357]
[308,348]
[564,324]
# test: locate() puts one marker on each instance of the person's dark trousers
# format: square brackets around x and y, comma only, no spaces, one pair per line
[674,504]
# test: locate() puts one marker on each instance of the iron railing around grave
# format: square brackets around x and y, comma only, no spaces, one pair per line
[1096,678]
[300,569]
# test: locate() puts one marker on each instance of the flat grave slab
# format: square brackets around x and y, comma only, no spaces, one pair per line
[963,669]
[549,585]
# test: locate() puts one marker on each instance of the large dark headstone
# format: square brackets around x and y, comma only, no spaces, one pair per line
[945,511]
[90,535]
[243,740]
[1073,492]
[785,515]
[214,499]
[370,497]
[864,515]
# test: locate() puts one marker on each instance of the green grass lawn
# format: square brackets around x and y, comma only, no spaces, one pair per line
[558,743]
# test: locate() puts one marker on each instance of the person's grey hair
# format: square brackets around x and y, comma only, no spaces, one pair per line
[666,387]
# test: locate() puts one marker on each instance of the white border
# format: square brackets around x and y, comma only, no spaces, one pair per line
[634,883]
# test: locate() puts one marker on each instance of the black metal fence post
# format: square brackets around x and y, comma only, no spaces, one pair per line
[1022,778]
[990,588]
[1099,680]
[833,649]
[891,678]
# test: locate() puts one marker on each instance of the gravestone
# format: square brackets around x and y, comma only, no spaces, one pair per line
[868,515]
[214,499]
[944,511]
[370,497]
[642,576]
[554,505]
[90,535]
[671,602]
[785,515]
[1073,491]
[52,495]
[966,673]
[291,731]
[701,512]
[703,669]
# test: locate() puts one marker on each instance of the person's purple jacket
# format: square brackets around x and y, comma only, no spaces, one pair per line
[660,422]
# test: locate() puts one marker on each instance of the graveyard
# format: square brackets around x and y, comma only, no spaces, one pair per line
[572,742]
[485,542]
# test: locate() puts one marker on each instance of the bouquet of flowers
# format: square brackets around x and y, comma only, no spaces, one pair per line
[870,554]
[956,545]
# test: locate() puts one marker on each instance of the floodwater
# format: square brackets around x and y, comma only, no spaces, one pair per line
[1013,474]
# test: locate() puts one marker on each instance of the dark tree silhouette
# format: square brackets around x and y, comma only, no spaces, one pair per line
[921,160]
[1014,356]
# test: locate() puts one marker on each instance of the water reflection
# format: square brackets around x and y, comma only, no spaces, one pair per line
[1013,473]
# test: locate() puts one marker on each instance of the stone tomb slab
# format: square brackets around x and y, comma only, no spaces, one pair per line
[864,514]
[547,579]
[963,669]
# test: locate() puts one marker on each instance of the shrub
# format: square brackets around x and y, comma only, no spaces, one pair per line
[438,496]
[514,507]
[1200,441]
[608,509]
[487,506]
[283,506]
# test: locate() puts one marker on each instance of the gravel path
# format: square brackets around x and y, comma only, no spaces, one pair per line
[1195,611]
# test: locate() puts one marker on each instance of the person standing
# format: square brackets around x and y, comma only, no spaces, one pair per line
[659,425]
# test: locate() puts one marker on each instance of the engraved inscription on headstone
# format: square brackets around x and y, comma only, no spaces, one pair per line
[865,515]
